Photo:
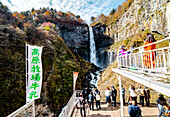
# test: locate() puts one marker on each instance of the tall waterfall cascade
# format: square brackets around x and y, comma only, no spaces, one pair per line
[92,48]
[110,56]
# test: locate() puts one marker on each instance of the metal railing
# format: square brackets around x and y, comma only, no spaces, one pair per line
[68,109]
[156,60]
[22,111]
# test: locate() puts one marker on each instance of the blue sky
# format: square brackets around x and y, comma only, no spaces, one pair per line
[84,8]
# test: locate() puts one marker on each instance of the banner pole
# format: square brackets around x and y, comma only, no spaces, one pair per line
[73,81]
[26,55]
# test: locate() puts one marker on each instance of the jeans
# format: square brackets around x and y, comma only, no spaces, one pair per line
[147,101]
[123,99]
[135,99]
[161,109]
[84,111]
[91,104]
[114,101]
[141,100]
[98,104]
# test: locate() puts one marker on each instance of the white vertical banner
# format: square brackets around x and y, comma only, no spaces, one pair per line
[75,75]
[34,80]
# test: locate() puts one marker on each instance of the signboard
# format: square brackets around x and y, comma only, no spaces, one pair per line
[75,75]
[34,73]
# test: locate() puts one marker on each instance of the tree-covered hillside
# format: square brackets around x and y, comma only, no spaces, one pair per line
[58,60]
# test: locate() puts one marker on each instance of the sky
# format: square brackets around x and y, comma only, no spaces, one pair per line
[84,8]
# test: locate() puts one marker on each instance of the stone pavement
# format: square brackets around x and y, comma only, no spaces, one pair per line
[116,112]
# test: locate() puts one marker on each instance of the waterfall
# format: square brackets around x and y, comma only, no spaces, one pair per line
[110,57]
[92,48]
[94,80]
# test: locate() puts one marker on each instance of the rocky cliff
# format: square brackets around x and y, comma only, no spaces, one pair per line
[141,15]
[76,37]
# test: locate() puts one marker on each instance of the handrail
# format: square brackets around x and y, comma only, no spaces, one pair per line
[15,113]
[167,38]
[157,60]
[68,109]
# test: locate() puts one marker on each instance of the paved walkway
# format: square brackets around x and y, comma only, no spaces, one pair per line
[116,112]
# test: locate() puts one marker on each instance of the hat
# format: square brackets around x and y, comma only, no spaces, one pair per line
[113,87]
[122,46]
[160,95]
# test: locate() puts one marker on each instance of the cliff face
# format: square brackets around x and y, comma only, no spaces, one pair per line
[141,15]
[101,40]
[76,38]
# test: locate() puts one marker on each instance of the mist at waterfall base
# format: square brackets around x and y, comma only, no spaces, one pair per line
[101,58]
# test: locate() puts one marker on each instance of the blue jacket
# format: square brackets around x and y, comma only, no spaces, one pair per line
[134,111]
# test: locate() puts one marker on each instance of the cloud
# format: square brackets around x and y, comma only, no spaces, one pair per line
[84,8]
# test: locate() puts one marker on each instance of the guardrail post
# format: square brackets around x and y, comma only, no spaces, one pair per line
[151,59]
[142,60]
[33,109]
[164,60]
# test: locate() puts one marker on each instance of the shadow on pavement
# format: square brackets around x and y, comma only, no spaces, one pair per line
[98,115]
[108,108]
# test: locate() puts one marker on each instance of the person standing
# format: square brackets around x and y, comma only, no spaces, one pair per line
[97,98]
[88,92]
[148,57]
[160,102]
[147,96]
[134,110]
[107,94]
[123,53]
[140,91]
[114,94]
[123,95]
[80,104]
[91,100]
[84,93]
[133,94]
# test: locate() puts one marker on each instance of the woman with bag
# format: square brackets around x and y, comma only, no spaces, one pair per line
[80,104]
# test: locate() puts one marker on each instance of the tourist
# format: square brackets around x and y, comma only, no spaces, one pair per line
[123,95]
[114,94]
[133,94]
[91,100]
[88,92]
[166,110]
[134,110]
[140,91]
[123,58]
[84,93]
[147,96]
[107,94]
[147,57]
[130,101]
[160,102]
[122,51]
[80,104]
[97,98]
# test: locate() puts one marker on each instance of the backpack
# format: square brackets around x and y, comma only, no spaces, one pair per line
[97,97]
[167,112]
[82,103]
